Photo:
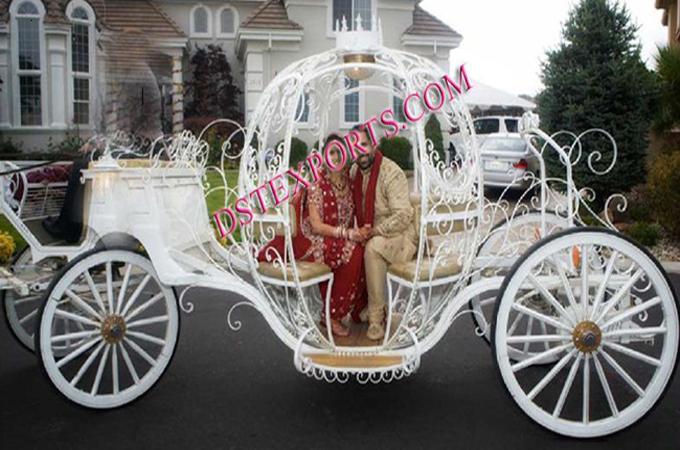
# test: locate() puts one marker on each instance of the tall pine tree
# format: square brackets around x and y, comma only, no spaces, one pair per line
[595,78]
[212,90]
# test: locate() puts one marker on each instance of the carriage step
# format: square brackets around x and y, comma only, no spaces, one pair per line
[354,361]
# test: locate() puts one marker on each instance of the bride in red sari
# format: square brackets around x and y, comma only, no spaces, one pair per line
[326,214]
[328,222]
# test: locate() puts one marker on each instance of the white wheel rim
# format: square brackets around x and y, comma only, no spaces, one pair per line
[109,366]
[600,374]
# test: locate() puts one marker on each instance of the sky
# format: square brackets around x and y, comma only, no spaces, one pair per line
[504,41]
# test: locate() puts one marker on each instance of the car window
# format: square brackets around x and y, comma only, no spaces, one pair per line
[511,125]
[487,126]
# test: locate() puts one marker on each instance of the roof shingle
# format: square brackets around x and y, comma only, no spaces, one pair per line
[271,14]
[425,24]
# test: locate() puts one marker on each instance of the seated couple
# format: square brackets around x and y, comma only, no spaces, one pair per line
[357,221]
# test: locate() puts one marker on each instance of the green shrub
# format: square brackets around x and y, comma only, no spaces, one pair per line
[398,149]
[433,132]
[298,151]
[663,186]
[645,233]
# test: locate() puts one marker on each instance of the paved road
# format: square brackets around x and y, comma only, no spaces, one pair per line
[240,390]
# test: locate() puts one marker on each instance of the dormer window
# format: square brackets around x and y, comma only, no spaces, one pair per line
[350,10]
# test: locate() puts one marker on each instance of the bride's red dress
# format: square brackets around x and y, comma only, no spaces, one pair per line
[343,256]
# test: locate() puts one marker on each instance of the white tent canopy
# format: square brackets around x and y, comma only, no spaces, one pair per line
[486,97]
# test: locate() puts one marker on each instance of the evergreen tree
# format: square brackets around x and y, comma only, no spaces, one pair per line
[433,132]
[212,91]
[595,78]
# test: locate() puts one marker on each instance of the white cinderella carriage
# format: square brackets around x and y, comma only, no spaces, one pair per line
[583,322]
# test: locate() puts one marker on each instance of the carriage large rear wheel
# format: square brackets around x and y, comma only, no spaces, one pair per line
[611,320]
[123,330]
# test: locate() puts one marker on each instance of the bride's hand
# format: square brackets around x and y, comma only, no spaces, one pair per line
[356,236]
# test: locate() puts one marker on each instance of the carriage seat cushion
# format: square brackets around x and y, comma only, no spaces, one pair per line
[306,270]
[446,267]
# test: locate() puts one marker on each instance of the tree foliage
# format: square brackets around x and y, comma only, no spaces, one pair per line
[595,78]
[211,90]
[433,132]
[668,69]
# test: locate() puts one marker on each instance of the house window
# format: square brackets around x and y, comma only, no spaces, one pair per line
[200,21]
[82,29]
[351,113]
[27,34]
[226,21]
[350,10]
[302,111]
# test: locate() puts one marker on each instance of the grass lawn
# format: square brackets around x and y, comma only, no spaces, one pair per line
[214,201]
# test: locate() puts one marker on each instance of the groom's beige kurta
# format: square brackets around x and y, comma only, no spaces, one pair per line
[396,236]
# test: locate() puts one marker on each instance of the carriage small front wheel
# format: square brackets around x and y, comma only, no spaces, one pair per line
[611,320]
[124,325]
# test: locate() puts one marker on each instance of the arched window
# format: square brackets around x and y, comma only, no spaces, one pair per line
[28,60]
[200,22]
[227,18]
[82,18]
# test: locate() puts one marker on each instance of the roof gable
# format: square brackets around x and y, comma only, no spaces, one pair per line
[271,14]
[425,24]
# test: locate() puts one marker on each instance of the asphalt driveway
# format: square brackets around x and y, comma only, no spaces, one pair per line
[240,390]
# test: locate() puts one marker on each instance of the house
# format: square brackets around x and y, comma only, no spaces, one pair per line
[671,19]
[86,66]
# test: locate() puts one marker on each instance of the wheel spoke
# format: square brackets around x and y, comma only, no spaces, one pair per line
[619,295]
[145,337]
[100,371]
[538,338]
[605,385]
[149,321]
[584,280]
[95,291]
[75,318]
[634,332]
[634,354]
[77,335]
[586,389]
[80,303]
[540,356]
[144,306]
[140,351]
[78,351]
[545,293]
[530,324]
[567,386]
[86,365]
[630,312]
[22,300]
[28,316]
[603,285]
[123,288]
[109,286]
[514,324]
[551,375]
[544,330]
[128,363]
[542,317]
[622,373]
[135,294]
[565,283]
[114,369]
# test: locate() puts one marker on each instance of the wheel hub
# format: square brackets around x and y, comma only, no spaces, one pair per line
[113,329]
[587,336]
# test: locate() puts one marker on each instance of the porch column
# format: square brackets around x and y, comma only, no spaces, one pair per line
[177,95]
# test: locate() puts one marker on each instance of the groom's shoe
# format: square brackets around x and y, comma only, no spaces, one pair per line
[375,331]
